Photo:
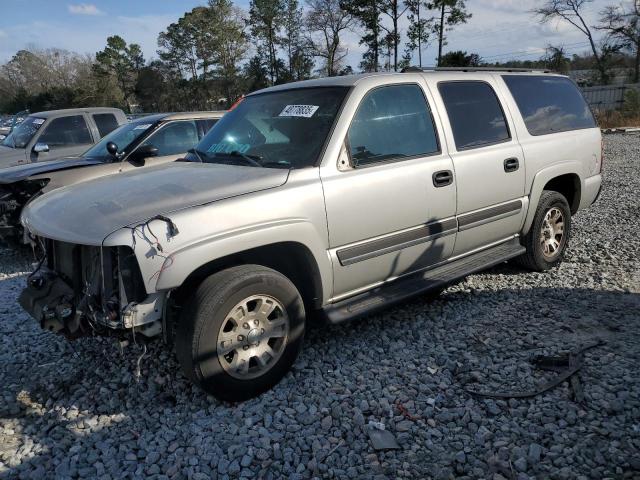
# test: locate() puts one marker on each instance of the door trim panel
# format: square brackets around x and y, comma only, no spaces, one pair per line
[396,241]
[475,219]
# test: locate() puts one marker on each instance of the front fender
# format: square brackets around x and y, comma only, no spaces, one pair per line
[186,259]
[542,178]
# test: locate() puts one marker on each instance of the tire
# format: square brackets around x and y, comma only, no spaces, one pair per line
[541,255]
[225,308]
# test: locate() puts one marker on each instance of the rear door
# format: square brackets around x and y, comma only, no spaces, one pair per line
[487,159]
[386,214]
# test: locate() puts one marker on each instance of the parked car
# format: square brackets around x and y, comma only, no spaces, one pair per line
[329,198]
[9,123]
[149,141]
[58,133]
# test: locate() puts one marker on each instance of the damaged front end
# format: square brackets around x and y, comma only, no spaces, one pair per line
[13,198]
[81,290]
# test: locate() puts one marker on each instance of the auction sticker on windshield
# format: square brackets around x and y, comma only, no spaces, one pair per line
[305,111]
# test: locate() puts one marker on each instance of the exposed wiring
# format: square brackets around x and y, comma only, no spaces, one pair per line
[139,230]
[138,372]
[167,263]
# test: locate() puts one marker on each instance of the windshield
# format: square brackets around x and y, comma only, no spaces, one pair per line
[278,129]
[122,136]
[23,133]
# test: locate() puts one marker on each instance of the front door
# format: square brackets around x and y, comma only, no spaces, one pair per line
[65,136]
[488,163]
[392,211]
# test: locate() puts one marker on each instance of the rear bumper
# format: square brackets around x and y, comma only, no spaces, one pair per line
[592,190]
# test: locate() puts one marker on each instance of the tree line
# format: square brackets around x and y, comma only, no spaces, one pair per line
[215,53]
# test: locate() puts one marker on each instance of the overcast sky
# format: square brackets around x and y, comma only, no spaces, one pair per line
[499,29]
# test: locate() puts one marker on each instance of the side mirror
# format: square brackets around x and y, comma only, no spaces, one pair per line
[112,149]
[41,148]
[140,154]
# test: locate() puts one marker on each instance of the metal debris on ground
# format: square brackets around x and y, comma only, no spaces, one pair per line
[567,365]
[380,437]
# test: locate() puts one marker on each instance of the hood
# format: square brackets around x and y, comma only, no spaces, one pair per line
[11,156]
[88,212]
[22,172]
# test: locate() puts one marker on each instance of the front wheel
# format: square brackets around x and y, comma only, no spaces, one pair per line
[241,332]
[546,241]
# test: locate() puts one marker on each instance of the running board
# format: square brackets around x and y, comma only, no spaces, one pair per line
[407,287]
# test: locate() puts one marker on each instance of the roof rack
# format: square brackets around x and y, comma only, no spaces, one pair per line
[473,69]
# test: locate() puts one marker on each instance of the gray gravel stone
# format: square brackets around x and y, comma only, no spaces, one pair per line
[535,451]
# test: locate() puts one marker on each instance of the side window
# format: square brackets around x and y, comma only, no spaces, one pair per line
[392,122]
[205,125]
[475,114]
[106,123]
[66,132]
[549,104]
[174,138]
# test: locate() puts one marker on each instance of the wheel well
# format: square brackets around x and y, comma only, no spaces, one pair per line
[294,260]
[569,186]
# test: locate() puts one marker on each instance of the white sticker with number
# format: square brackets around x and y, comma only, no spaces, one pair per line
[38,121]
[142,127]
[305,111]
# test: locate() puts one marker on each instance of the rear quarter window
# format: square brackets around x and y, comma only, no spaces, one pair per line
[106,123]
[549,104]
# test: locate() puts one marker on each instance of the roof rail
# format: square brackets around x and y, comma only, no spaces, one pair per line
[474,69]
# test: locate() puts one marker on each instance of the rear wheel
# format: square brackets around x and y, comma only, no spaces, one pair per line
[241,332]
[546,241]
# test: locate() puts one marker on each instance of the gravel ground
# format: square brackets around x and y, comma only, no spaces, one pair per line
[77,410]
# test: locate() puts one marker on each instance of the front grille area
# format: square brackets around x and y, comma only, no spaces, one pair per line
[80,266]
[84,290]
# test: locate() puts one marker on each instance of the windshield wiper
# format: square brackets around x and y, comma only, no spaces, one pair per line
[253,160]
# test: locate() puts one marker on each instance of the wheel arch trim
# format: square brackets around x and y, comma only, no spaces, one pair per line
[542,178]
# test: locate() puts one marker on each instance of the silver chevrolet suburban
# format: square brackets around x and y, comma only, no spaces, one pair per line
[325,199]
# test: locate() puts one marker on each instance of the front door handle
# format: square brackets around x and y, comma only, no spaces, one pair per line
[511,165]
[442,178]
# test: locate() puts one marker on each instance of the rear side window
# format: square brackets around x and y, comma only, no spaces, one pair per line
[392,122]
[66,132]
[204,125]
[549,104]
[106,123]
[475,114]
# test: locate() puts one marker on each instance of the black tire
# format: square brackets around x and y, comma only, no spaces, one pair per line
[534,258]
[203,316]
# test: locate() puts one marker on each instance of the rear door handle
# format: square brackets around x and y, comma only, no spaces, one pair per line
[442,178]
[511,165]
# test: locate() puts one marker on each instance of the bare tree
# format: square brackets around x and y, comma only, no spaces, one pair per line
[325,23]
[555,59]
[572,11]
[623,29]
